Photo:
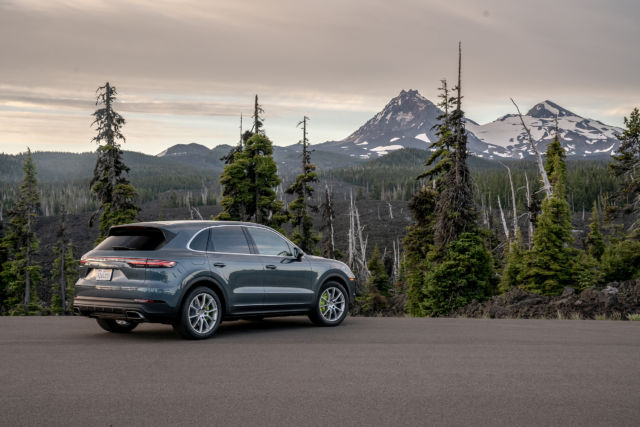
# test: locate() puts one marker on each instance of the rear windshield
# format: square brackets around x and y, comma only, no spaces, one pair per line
[133,239]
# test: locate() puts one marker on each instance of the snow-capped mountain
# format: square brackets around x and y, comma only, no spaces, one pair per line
[580,137]
[408,120]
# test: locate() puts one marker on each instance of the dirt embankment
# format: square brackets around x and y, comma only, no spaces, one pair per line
[615,301]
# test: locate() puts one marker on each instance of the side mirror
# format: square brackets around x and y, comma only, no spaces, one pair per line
[298,253]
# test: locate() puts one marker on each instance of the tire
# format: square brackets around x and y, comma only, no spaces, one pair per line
[117,326]
[331,306]
[200,314]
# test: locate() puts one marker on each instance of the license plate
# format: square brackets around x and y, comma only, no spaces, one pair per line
[103,274]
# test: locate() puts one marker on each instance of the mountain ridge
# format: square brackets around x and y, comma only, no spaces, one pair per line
[409,121]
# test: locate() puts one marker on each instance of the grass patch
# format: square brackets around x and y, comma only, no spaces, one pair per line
[616,316]
[634,317]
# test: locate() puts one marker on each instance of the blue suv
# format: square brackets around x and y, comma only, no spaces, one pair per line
[194,274]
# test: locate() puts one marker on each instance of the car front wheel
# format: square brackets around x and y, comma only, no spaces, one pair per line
[331,306]
[200,315]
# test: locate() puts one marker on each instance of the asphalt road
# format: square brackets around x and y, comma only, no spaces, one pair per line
[375,371]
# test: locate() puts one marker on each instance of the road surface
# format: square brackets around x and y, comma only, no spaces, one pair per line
[369,371]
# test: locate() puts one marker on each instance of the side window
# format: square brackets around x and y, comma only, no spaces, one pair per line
[228,239]
[199,242]
[269,243]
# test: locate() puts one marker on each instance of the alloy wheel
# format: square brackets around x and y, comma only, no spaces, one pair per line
[203,313]
[332,304]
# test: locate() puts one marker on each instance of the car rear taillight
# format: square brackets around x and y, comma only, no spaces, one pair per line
[133,262]
[151,263]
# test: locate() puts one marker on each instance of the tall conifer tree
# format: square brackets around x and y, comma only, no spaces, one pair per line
[20,273]
[595,240]
[549,264]
[299,208]
[456,207]
[110,184]
[249,180]
[448,264]
[626,165]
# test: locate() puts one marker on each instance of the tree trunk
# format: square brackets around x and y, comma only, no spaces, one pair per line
[529,203]
[27,274]
[504,223]
[63,279]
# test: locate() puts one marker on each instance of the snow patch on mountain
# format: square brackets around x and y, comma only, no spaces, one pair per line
[423,137]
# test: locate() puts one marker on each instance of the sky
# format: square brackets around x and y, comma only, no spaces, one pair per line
[186,70]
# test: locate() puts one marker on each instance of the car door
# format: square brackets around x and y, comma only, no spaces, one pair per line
[287,280]
[230,257]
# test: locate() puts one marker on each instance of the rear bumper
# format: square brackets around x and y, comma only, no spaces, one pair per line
[112,308]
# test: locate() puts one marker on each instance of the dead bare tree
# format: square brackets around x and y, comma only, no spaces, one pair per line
[357,252]
[529,213]
[546,185]
[327,211]
[504,222]
[513,200]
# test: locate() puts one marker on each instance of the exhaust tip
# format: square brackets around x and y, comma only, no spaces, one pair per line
[134,315]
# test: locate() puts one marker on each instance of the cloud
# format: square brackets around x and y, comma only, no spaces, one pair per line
[177,61]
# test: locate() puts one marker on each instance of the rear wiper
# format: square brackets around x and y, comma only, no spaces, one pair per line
[122,248]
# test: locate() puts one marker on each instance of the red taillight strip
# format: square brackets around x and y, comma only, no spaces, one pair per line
[133,262]
[152,263]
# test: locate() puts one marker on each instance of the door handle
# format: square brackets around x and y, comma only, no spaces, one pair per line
[219,264]
[271,267]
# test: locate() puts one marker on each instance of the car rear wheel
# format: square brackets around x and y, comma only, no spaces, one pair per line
[331,306]
[200,315]
[117,326]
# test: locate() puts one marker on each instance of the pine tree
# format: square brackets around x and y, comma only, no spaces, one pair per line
[626,165]
[595,241]
[4,256]
[549,264]
[299,208]
[447,264]
[463,274]
[417,243]
[375,294]
[249,184]
[441,158]
[20,273]
[514,263]
[419,239]
[555,152]
[379,279]
[64,271]
[455,209]
[110,185]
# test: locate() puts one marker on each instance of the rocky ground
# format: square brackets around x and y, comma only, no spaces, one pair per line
[615,301]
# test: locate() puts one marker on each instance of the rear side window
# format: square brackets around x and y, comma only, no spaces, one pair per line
[269,243]
[199,242]
[133,239]
[229,240]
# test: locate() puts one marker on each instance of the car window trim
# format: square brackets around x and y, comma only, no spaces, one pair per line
[287,241]
[249,244]
[250,241]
